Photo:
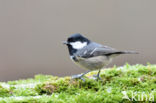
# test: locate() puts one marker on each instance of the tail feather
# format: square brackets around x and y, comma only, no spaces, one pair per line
[129,52]
[122,52]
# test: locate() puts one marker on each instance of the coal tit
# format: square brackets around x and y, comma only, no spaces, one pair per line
[90,55]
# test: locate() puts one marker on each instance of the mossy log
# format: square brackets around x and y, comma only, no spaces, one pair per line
[126,84]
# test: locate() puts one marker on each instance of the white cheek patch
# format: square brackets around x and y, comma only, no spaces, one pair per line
[78,45]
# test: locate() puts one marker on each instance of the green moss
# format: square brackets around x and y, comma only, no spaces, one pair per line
[4,92]
[137,82]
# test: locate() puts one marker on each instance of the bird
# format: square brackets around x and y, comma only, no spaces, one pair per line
[90,55]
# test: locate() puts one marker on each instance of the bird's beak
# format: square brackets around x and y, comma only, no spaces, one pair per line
[65,42]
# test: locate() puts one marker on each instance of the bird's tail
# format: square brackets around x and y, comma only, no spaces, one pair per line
[115,53]
[128,52]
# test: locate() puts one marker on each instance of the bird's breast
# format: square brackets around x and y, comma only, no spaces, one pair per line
[92,63]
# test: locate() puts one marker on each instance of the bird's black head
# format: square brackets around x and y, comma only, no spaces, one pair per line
[75,42]
[77,38]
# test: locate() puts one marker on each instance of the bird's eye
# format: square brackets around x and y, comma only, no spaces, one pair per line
[70,40]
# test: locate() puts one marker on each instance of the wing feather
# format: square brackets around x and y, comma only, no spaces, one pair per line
[95,49]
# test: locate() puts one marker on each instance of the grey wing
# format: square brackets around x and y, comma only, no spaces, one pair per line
[96,50]
[102,51]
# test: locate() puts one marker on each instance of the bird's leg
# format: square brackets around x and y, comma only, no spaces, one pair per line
[98,75]
[80,76]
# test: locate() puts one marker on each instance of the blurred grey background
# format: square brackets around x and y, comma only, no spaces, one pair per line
[31,32]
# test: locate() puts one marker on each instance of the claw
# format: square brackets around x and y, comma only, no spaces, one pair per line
[97,77]
[79,76]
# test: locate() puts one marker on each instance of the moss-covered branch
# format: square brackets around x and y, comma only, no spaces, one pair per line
[119,84]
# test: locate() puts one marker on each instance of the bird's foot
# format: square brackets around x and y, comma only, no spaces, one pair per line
[78,76]
[96,77]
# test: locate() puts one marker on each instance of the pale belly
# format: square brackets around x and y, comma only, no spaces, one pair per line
[93,63]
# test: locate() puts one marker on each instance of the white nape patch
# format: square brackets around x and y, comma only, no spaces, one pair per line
[78,44]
